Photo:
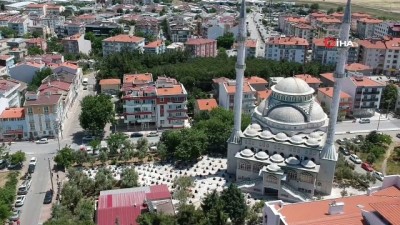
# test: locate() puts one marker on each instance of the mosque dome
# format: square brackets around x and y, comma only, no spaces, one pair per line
[296,139]
[308,164]
[255,126]
[292,85]
[266,134]
[315,135]
[292,161]
[286,114]
[312,142]
[273,167]
[281,137]
[261,155]
[277,158]
[246,153]
[250,132]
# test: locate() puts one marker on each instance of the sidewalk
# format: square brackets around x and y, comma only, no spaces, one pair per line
[46,211]
[375,117]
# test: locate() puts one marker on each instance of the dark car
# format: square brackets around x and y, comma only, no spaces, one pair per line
[48,198]
[31,168]
[398,135]
[344,150]
[136,134]
[17,166]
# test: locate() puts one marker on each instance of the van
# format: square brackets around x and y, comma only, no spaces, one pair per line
[85,81]
[24,187]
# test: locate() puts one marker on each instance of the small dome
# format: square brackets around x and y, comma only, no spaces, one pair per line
[312,142]
[266,134]
[277,158]
[286,114]
[273,167]
[317,113]
[292,161]
[292,85]
[315,135]
[246,153]
[308,164]
[281,137]
[255,126]
[250,132]
[297,139]
[261,155]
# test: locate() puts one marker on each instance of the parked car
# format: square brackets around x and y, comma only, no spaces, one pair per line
[344,150]
[153,134]
[367,167]
[24,187]
[356,140]
[355,159]
[340,141]
[33,161]
[378,175]
[398,135]
[31,168]
[136,134]
[88,138]
[17,166]
[365,120]
[48,198]
[20,200]
[3,164]
[15,214]
[42,141]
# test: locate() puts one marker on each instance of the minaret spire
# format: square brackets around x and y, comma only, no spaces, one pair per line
[239,67]
[329,151]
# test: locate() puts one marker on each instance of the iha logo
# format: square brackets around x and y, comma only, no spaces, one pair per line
[331,42]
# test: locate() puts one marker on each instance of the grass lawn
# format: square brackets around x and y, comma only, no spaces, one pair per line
[3,178]
[393,163]
[369,7]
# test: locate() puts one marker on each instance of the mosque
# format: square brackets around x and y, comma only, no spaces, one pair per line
[288,150]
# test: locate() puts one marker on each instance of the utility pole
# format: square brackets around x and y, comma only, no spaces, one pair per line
[51,175]
[379,121]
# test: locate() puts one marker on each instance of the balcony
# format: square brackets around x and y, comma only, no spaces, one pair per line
[370,99]
[184,109]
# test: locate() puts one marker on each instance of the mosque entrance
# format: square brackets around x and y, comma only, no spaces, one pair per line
[271,192]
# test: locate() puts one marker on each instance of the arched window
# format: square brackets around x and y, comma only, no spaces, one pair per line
[248,167]
[292,175]
[283,155]
[257,167]
[306,177]
[272,179]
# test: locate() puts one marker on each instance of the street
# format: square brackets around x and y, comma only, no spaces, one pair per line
[254,33]
[384,125]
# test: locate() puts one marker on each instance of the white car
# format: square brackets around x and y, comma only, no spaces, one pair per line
[33,161]
[20,200]
[42,141]
[365,120]
[355,159]
[378,175]
[153,134]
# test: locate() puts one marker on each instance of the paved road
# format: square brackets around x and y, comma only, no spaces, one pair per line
[72,135]
[254,33]
[384,125]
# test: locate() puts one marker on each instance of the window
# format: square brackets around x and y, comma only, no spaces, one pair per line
[271,179]
[46,110]
[306,177]
[30,111]
[20,127]
[292,175]
[257,168]
[161,99]
[48,125]
[32,125]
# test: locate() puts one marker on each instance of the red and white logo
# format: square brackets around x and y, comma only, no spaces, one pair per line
[331,42]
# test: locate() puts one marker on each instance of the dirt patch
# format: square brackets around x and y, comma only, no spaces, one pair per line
[3,177]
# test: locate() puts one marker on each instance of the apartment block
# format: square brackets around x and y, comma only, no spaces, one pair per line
[36,9]
[25,71]
[226,96]
[325,96]
[251,48]
[201,47]
[147,103]
[292,49]
[328,26]
[391,65]
[329,56]
[204,105]
[19,24]
[180,32]
[12,124]
[155,47]
[148,26]
[366,27]
[122,42]
[110,86]
[76,44]
[37,42]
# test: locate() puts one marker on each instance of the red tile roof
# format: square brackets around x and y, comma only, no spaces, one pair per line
[389,209]
[110,81]
[126,215]
[264,94]
[316,212]
[328,91]
[199,41]
[6,57]
[255,80]
[328,19]
[44,100]
[296,20]
[176,89]
[154,44]
[12,113]
[140,78]
[309,79]
[393,43]
[287,41]
[373,44]
[206,104]
[251,43]
[366,82]
[124,38]
[328,76]
[7,85]
[54,87]
[231,89]
[357,67]
[370,20]
[220,80]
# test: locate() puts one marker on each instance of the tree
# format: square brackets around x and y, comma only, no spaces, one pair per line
[96,112]
[253,217]
[7,32]
[189,215]
[84,210]
[71,195]
[225,41]
[54,45]
[330,11]
[235,205]
[17,157]
[103,180]
[115,142]
[213,209]
[81,157]
[389,97]
[314,7]
[40,75]
[129,178]
[65,157]
[182,185]
[192,145]
[142,147]
[127,152]
[35,51]
[339,9]
[103,156]
[155,219]
[2,7]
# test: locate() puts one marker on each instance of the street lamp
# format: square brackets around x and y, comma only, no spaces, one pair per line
[57,128]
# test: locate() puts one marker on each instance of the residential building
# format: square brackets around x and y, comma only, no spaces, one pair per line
[216,82]
[12,124]
[201,47]
[122,42]
[262,95]
[217,27]
[52,21]
[329,56]
[9,93]
[391,65]
[72,28]
[314,16]
[325,95]
[19,24]
[251,48]
[4,48]
[176,46]
[327,79]
[327,26]
[86,18]
[359,68]
[180,32]
[102,28]
[36,9]
[357,16]
[305,31]
[161,103]
[155,47]
[205,105]
[7,61]
[257,83]
[312,81]
[43,114]
[148,26]
[18,53]
[54,9]
[37,42]
[126,205]
[379,206]
[394,30]
[287,24]
[292,49]
[69,73]
[365,93]
[76,44]
[372,53]
[110,86]
[16,43]
[366,27]
[226,96]
[25,71]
